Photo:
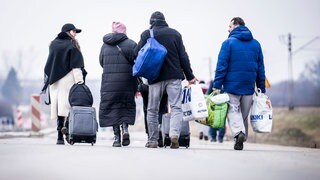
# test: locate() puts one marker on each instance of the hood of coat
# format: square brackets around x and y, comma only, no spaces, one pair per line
[242,33]
[114,38]
[63,35]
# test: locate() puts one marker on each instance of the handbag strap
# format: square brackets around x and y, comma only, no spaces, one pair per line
[120,50]
[49,99]
[139,80]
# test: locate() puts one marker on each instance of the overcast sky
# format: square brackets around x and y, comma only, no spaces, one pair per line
[27,27]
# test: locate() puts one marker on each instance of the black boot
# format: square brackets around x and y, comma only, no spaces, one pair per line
[201,135]
[125,134]
[239,139]
[65,129]
[117,136]
[160,140]
[59,127]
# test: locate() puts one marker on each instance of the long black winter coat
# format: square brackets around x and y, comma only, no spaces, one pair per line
[118,86]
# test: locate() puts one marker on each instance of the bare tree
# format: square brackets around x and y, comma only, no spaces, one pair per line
[311,74]
[11,88]
[22,61]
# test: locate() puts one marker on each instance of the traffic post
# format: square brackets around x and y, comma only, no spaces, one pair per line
[35,112]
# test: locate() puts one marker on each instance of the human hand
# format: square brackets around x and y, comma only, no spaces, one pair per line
[216,91]
[137,94]
[80,82]
[193,81]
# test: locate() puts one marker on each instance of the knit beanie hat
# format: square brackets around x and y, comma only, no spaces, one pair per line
[118,27]
[156,16]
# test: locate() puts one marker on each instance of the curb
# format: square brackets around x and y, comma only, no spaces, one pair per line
[27,134]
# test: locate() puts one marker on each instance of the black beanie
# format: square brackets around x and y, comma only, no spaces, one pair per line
[156,16]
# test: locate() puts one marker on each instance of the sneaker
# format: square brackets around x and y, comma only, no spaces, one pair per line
[174,142]
[151,145]
[60,142]
[240,138]
[116,144]
[220,140]
[213,140]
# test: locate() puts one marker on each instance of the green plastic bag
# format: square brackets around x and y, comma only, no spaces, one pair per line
[217,113]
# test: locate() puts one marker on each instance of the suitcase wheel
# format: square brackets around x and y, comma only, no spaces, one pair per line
[92,143]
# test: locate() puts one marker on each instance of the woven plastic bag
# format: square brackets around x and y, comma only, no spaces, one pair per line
[217,110]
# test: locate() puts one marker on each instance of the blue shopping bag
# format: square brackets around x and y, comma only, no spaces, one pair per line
[150,59]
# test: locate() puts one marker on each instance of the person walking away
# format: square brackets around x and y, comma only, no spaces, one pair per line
[163,109]
[240,68]
[118,86]
[64,68]
[175,68]
[203,129]
[213,131]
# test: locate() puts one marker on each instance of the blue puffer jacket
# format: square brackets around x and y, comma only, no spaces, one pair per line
[240,64]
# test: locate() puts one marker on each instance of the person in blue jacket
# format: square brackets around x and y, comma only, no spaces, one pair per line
[239,69]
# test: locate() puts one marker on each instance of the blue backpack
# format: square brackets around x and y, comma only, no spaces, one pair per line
[150,59]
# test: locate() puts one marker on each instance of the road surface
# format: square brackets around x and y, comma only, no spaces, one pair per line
[40,159]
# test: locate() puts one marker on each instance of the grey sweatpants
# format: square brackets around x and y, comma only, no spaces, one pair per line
[239,108]
[174,89]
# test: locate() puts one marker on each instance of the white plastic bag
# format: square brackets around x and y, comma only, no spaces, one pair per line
[261,113]
[220,98]
[193,103]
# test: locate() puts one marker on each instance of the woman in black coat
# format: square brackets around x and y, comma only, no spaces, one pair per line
[118,86]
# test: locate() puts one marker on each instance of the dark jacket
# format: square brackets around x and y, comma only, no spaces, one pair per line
[63,57]
[176,64]
[118,86]
[240,64]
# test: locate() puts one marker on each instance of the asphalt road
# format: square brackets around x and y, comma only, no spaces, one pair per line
[40,159]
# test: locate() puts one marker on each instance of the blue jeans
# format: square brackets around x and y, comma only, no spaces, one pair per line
[213,133]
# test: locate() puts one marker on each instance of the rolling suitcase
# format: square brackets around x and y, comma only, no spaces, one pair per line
[184,138]
[83,125]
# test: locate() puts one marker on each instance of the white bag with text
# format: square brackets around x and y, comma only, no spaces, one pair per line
[193,103]
[261,113]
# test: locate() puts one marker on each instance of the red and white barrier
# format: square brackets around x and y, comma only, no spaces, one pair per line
[19,117]
[35,112]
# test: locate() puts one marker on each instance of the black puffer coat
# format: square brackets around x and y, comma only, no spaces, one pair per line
[118,86]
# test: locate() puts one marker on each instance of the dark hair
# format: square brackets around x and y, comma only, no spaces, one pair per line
[238,21]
